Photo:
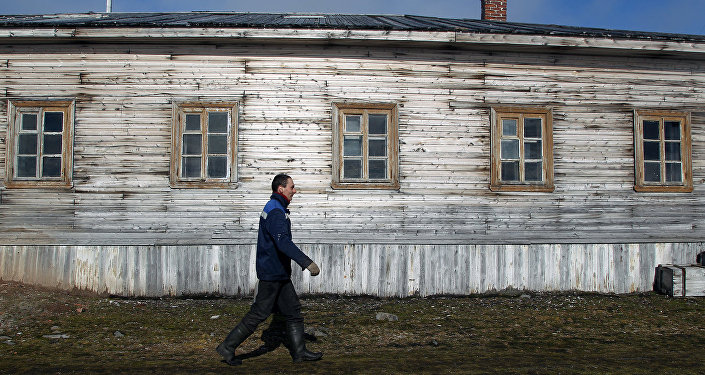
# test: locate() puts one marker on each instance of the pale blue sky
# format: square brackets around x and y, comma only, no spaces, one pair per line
[672,16]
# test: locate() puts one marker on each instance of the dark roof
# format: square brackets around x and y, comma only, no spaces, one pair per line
[323,21]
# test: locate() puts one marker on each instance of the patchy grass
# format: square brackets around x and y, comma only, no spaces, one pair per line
[544,334]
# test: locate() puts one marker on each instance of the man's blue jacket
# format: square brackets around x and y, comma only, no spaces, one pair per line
[275,249]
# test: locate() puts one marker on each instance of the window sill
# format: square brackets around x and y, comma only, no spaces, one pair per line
[527,188]
[204,185]
[365,186]
[58,185]
[663,189]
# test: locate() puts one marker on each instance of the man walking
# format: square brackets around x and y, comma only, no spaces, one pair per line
[275,251]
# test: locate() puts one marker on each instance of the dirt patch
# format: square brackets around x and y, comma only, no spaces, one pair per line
[47,331]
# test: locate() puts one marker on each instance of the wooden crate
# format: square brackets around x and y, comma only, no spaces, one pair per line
[680,281]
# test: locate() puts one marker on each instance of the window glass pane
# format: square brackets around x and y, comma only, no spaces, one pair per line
[510,171]
[509,127]
[377,124]
[192,144]
[26,166]
[532,128]
[191,167]
[377,147]
[352,168]
[52,144]
[651,151]
[673,151]
[652,172]
[532,150]
[193,122]
[29,121]
[532,171]
[217,166]
[672,130]
[378,169]
[352,146]
[651,129]
[352,124]
[51,166]
[217,144]
[510,149]
[217,122]
[27,144]
[673,172]
[53,122]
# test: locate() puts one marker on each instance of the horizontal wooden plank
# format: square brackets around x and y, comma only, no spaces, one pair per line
[460,39]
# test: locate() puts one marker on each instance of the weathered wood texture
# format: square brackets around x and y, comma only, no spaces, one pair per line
[121,213]
[508,41]
[382,270]
[124,96]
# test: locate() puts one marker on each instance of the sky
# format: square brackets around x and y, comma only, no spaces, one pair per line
[669,16]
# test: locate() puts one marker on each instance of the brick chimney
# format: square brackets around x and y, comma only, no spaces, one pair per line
[494,10]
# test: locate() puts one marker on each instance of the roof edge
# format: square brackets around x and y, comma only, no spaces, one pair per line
[322,21]
[430,39]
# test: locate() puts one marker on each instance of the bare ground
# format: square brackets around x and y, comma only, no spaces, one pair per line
[56,332]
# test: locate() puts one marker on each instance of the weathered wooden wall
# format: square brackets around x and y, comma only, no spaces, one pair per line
[123,125]
[382,270]
[124,95]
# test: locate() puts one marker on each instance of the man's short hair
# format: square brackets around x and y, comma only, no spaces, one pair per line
[279,180]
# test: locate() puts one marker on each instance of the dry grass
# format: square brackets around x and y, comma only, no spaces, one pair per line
[544,334]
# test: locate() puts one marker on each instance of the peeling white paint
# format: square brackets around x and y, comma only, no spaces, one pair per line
[353,269]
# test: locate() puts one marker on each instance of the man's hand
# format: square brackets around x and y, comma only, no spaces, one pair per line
[313,268]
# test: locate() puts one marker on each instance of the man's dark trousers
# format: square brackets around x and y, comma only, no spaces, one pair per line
[269,294]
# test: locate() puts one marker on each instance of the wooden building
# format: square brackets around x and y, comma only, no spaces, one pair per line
[432,156]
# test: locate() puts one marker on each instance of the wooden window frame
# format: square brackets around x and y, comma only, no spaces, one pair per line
[18,107]
[640,185]
[340,110]
[178,128]
[496,116]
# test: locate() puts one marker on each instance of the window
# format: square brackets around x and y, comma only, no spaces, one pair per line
[40,144]
[204,145]
[662,151]
[522,149]
[365,145]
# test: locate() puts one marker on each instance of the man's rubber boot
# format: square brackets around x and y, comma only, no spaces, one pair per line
[295,334]
[232,341]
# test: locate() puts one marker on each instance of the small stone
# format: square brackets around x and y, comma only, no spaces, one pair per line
[55,329]
[118,334]
[57,336]
[319,332]
[386,316]
[525,296]
[215,317]
[510,292]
